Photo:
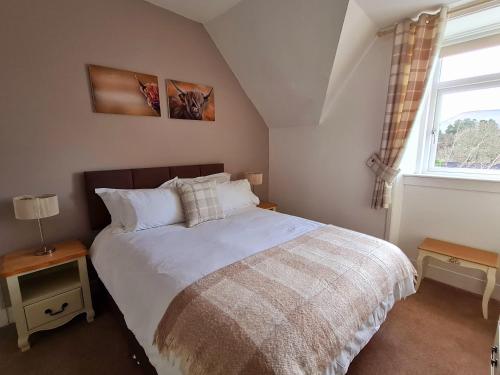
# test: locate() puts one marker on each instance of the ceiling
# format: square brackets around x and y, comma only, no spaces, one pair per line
[387,12]
[382,12]
[197,10]
[287,65]
[282,62]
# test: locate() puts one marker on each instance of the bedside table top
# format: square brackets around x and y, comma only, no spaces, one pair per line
[267,205]
[21,261]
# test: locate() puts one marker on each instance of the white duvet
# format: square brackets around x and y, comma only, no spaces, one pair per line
[143,271]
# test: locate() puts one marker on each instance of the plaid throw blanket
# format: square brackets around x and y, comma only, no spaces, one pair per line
[288,310]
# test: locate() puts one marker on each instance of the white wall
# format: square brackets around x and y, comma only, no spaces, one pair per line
[282,52]
[320,173]
[462,211]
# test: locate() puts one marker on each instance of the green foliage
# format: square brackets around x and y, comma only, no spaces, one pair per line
[469,143]
[459,125]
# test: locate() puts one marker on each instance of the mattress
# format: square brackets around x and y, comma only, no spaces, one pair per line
[143,271]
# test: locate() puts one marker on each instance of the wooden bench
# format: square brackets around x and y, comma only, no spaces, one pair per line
[464,256]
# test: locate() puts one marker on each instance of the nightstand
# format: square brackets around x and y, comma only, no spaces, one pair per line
[268,206]
[47,291]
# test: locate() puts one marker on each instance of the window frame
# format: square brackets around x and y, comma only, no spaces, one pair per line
[428,140]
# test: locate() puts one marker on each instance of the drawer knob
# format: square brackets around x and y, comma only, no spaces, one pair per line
[454,260]
[52,313]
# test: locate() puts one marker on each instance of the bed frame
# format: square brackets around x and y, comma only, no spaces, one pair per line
[142,178]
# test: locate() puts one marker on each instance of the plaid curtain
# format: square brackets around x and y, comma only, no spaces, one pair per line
[413,56]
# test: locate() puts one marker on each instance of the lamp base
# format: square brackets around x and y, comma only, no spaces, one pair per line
[45,250]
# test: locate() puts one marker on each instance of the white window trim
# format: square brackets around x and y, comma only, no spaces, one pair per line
[478,33]
[452,183]
[426,151]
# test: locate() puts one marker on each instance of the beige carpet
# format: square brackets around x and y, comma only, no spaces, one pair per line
[440,330]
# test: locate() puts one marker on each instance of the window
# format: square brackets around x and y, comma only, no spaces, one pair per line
[463,123]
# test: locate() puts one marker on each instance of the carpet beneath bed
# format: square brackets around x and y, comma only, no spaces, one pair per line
[440,330]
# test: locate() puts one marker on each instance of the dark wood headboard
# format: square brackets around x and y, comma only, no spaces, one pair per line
[142,178]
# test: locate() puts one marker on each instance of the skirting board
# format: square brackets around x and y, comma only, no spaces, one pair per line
[458,280]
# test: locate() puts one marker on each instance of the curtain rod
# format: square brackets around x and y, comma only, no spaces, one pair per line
[456,12]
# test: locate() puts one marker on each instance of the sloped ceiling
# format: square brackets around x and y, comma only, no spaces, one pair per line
[282,52]
[196,10]
[286,53]
[358,33]
[387,12]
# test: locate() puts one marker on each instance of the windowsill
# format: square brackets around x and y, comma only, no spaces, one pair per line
[458,176]
[489,184]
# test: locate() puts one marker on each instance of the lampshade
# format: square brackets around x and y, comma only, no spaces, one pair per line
[28,207]
[254,178]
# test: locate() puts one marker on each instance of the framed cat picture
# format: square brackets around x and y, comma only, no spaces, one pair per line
[124,92]
[190,101]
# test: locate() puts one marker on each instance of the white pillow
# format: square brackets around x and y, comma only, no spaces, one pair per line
[115,206]
[234,195]
[138,209]
[219,178]
[150,208]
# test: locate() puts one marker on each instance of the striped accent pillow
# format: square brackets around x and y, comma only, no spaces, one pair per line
[200,202]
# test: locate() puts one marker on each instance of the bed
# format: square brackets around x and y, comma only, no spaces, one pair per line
[147,272]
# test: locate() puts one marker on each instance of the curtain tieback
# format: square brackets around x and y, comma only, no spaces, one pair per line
[386,173]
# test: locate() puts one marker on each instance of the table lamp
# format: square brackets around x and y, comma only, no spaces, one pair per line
[254,178]
[28,207]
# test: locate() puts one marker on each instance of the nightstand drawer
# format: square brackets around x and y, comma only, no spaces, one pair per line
[53,308]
